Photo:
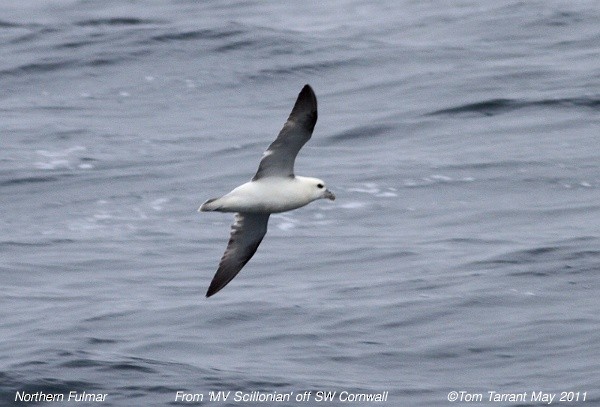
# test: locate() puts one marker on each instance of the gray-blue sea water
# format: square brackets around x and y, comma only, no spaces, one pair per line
[462,254]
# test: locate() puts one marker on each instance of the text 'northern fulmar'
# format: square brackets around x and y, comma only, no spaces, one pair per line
[274,188]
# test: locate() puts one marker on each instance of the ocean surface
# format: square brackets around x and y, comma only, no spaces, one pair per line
[462,252]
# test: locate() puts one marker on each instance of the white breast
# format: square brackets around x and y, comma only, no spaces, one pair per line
[270,194]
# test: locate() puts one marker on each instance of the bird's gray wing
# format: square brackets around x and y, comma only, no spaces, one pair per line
[247,232]
[279,158]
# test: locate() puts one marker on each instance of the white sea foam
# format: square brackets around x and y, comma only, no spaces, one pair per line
[157,204]
[61,159]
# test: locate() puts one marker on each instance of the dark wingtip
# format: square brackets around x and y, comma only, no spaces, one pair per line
[308,92]
[306,100]
[213,289]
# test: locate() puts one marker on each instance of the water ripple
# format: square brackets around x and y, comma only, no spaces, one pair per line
[494,107]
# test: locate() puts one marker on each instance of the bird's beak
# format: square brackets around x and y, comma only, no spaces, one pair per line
[329,195]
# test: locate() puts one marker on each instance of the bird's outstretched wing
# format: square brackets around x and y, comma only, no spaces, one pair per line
[247,232]
[279,158]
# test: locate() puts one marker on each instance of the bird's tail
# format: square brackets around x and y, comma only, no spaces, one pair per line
[210,205]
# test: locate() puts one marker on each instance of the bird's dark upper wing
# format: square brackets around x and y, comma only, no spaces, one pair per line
[247,232]
[279,158]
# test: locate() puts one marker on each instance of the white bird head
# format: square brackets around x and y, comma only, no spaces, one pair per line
[318,189]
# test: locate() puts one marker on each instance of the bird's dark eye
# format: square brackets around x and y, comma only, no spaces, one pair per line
[319,186]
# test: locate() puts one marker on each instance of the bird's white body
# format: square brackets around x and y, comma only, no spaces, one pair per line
[274,188]
[268,195]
